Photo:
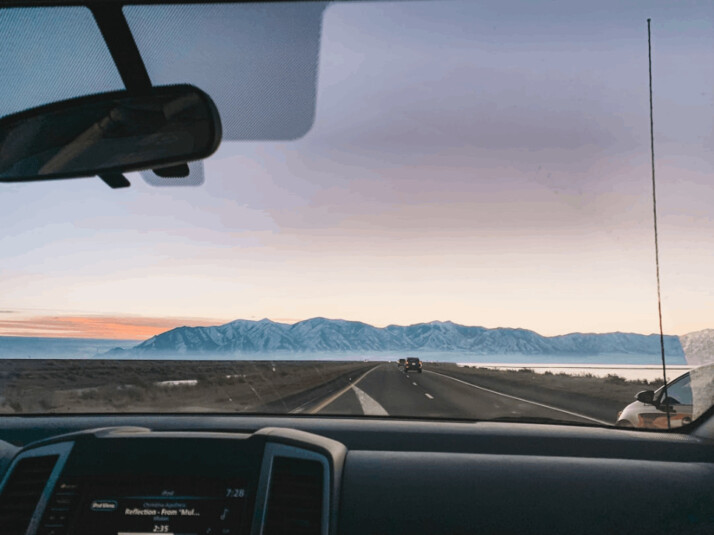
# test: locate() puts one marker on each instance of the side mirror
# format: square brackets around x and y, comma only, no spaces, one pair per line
[646,396]
[107,133]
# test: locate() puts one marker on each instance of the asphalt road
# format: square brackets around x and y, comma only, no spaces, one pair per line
[386,390]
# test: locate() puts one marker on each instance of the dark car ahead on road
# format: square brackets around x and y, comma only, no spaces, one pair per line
[413,364]
[401,363]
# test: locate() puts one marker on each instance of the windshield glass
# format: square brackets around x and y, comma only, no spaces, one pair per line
[429,209]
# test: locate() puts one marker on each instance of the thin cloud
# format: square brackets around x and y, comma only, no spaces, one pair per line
[124,327]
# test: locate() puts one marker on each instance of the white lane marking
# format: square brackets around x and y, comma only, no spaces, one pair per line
[428,395]
[301,408]
[370,407]
[524,400]
[414,384]
[333,397]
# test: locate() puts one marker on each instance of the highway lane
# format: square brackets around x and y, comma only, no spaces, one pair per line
[387,390]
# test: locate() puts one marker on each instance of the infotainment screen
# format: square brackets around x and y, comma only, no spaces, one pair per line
[186,507]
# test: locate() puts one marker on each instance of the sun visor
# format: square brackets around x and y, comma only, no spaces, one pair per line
[258,62]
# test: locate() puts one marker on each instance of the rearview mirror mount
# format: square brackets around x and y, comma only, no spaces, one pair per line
[109,134]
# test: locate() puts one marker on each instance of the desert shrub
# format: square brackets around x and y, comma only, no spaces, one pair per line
[615,379]
[141,382]
[135,394]
[88,395]
[106,396]
[46,403]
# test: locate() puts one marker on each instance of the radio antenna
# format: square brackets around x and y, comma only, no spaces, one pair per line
[656,236]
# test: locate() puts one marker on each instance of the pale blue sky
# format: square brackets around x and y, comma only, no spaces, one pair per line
[483,162]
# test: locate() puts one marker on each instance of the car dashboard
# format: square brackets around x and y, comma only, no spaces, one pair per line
[235,475]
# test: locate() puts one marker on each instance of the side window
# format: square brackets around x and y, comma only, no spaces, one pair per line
[680,392]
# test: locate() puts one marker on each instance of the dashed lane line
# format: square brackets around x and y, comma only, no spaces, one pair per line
[428,395]
[524,400]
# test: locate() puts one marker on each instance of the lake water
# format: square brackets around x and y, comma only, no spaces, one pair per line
[629,372]
[19,347]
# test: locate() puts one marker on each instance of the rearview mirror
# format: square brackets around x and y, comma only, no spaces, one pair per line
[109,133]
[646,396]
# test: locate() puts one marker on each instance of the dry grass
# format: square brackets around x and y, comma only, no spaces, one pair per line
[81,386]
[611,388]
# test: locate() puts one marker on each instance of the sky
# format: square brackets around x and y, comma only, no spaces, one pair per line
[480,162]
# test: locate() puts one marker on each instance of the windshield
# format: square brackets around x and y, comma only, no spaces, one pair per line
[428,209]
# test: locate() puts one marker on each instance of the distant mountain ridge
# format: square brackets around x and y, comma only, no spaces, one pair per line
[326,335]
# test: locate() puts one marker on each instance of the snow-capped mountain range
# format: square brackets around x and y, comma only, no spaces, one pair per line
[326,335]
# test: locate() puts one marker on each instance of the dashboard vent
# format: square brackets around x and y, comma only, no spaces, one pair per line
[60,507]
[22,492]
[295,498]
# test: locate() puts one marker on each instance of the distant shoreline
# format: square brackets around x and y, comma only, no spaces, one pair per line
[102,349]
[630,372]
